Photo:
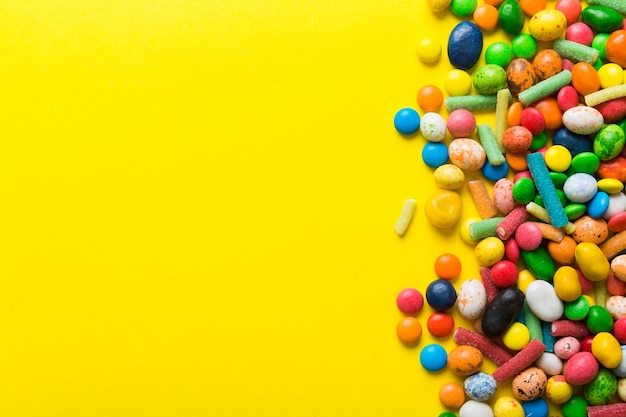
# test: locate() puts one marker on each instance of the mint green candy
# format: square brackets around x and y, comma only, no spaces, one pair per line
[602,388]
[499,53]
[599,320]
[463,8]
[587,162]
[576,406]
[574,211]
[524,190]
[577,309]
[524,46]
[540,263]
[609,142]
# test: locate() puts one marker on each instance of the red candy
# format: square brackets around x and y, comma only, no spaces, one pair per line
[511,250]
[611,410]
[561,328]
[522,360]
[617,222]
[528,236]
[410,301]
[488,347]
[567,98]
[581,368]
[504,274]
[613,110]
[440,324]
[517,139]
[580,33]
[533,120]
[490,287]
[570,8]
[619,330]
[511,222]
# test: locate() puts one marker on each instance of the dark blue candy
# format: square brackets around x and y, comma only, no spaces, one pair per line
[435,154]
[440,295]
[465,45]
[535,408]
[573,141]
[495,172]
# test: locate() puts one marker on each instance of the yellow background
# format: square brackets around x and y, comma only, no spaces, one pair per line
[197,207]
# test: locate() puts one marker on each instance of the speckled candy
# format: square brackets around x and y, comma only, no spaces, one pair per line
[489,79]
[520,75]
[601,389]
[508,407]
[547,25]
[471,299]
[467,154]
[517,139]
[566,347]
[583,120]
[465,360]
[618,267]
[480,386]
[591,230]
[609,142]
[529,384]
[616,305]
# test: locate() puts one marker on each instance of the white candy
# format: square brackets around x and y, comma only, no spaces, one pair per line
[543,301]
[616,305]
[583,120]
[550,363]
[580,187]
[472,299]
[473,408]
[620,370]
[433,127]
[617,203]
[621,389]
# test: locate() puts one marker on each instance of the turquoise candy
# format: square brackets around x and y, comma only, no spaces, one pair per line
[599,320]
[489,79]
[524,190]
[575,407]
[602,388]
[602,19]
[465,44]
[577,309]
[609,142]
[511,17]
[540,263]
[587,162]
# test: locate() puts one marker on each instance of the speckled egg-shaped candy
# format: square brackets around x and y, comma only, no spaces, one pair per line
[465,360]
[529,384]
[591,230]
[548,63]
[508,407]
[520,75]
[547,25]
[480,386]
[449,177]
[503,195]
[433,127]
[618,267]
[583,120]
[609,142]
[602,388]
[616,305]
[472,299]
[467,154]
[489,79]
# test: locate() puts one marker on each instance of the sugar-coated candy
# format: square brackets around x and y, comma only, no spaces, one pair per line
[522,360]
[489,348]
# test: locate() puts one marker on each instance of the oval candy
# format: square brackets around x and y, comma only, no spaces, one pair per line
[465,44]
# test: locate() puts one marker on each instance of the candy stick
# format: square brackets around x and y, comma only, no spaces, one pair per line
[575,52]
[606,94]
[488,347]
[550,232]
[619,5]
[561,328]
[484,228]
[482,199]
[491,145]
[532,323]
[475,102]
[614,245]
[503,97]
[599,293]
[522,360]
[547,191]
[511,221]
[547,337]
[611,410]
[490,288]
[541,213]
[545,88]
[408,209]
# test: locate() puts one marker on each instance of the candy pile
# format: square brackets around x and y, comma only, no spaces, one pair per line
[549,306]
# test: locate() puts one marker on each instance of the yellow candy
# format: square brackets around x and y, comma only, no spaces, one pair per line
[610,75]
[458,83]
[489,251]
[451,177]
[592,262]
[558,390]
[508,407]
[429,50]
[558,158]
[439,5]
[590,300]
[547,25]
[606,349]
[516,337]
[610,185]
[443,208]
[566,283]
[465,231]
[524,278]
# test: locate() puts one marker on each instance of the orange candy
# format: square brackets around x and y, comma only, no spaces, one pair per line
[486,17]
[616,47]
[530,7]
[494,3]
[430,98]
[517,161]
[553,115]
[585,78]
[452,395]
[514,114]
[447,266]
[409,330]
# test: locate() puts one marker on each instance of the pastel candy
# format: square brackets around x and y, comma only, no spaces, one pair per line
[471,299]
[583,120]
[580,187]
[543,301]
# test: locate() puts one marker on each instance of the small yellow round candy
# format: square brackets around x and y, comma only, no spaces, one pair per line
[439,5]
[524,278]
[567,284]
[606,350]
[457,82]
[547,25]
[610,185]
[508,407]
[558,158]
[610,75]
[558,390]
[429,50]
[451,177]
[465,231]
[516,337]
[489,251]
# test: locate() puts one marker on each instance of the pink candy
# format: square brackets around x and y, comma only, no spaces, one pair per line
[410,301]
[580,33]
[581,368]
[528,236]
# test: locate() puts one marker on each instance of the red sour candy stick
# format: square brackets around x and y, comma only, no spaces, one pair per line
[490,287]
[522,360]
[611,410]
[509,224]
[489,348]
[569,328]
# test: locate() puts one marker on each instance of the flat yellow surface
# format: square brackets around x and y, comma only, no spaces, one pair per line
[198,208]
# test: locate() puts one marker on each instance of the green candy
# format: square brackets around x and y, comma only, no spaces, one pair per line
[524,46]
[577,309]
[559,193]
[602,388]
[489,79]
[539,141]
[558,179]
[609,142]
[599,43]
[447,414]
[540,263]
[586,162]
[575,210]
[602,19]
[524,190]
[499,53]
[599,320]
[576,406]
[511,17]
[463,8]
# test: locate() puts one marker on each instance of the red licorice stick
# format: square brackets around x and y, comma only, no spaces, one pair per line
[488,347]
[611,410]
[511,221]
[576,329]
[490,287]
[522,360]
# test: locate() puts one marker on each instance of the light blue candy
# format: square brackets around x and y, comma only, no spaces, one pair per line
[433,357]
[435,154]
[535,408]
[598,205]
[547,191]
[480,386]
[406,121]
[495,172]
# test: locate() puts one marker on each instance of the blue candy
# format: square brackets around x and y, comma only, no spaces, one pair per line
[480,386]
[535,408]
[433,357]
[440,294]
[495,172]
[435,154]
[407,121]
[598,205]
[465,45]
[574,142]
